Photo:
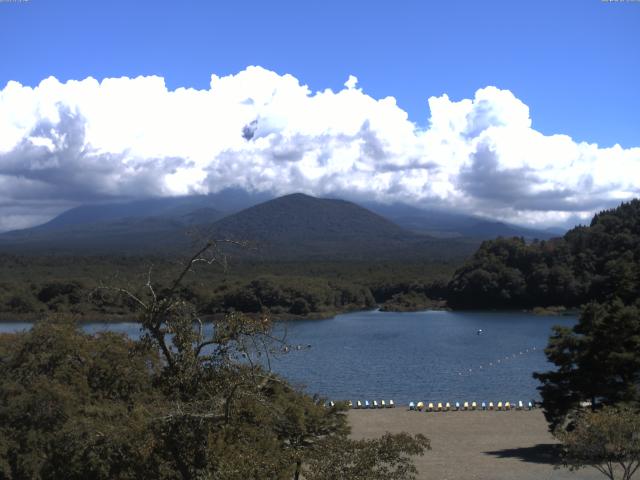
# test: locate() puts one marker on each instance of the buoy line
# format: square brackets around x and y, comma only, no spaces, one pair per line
[499,361]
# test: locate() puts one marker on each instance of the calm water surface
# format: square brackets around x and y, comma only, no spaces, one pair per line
[431,356]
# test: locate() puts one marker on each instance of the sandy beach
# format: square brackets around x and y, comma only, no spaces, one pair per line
[476,445]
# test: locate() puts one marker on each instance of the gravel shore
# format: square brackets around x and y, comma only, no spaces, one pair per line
[478,445]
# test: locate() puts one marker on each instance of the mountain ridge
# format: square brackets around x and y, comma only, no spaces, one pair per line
[295,222]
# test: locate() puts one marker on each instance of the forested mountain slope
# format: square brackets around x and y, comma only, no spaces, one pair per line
[596,262]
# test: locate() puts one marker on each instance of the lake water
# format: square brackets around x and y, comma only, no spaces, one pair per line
[430,356]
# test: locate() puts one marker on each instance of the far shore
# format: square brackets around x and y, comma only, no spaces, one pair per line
[8,317]
[474,445]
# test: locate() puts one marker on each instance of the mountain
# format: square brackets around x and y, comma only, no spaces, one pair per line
[487,229]
[174,208]
[444,224]
[127,235]
[299,217]
[155,225]
[299,225]
[291,227]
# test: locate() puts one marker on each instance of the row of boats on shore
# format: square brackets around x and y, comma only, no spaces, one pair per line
[445,407]
[367,404]
[373,404]
[442,407]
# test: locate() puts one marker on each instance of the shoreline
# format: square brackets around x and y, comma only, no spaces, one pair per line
[6,317]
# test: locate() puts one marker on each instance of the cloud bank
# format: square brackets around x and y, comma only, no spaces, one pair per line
[62,144]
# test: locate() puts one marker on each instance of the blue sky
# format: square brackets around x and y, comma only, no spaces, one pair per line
[540,149]
[576,63]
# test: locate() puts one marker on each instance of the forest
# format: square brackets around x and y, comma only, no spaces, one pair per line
[598,262]
[32,286]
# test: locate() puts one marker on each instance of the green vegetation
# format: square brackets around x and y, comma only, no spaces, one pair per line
[32,286]
[189,400]
[184,403]
[592,399]
[598,361]
[607,440]
[386,458]
[596,263]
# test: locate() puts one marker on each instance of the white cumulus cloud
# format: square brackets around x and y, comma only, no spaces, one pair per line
[63,144]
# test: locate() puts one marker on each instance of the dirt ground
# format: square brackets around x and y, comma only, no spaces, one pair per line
[476,445]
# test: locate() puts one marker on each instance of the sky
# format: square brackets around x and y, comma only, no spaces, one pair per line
[525,112]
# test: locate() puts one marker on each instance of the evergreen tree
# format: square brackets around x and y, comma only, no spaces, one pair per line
[598,361]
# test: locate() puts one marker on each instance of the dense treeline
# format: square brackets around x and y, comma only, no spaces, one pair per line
[591,399]
[598,362]
[33,286]
[599,262]
[182,402]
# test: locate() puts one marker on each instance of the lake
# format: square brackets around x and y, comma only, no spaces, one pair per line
[430,356]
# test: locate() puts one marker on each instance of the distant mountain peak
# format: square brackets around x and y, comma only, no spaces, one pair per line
[294,225]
